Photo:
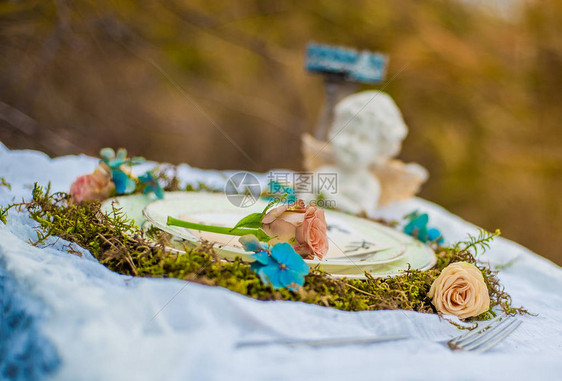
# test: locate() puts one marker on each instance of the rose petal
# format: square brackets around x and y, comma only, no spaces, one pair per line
[274,213]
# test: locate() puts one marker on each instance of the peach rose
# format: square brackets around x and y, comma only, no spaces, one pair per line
[94,186]
[303,226]
[460,290]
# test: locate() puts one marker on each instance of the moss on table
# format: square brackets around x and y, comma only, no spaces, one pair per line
[124,248]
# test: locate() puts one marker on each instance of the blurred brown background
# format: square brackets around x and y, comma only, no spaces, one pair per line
[481,92]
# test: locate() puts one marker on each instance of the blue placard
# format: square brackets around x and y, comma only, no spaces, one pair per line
[357,66]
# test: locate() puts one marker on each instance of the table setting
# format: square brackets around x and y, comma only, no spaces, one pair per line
[118,267]
[73,309]
[280,190]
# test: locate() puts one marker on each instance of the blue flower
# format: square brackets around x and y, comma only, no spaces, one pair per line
[123,183]
[116,160]
[434,235]
[113,161]
[251,243]
[107,154]
[279,266]
[151,185]
[283,267]
[262,258]
[117,163]
[417,228]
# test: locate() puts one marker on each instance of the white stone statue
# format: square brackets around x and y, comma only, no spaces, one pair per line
[366,135]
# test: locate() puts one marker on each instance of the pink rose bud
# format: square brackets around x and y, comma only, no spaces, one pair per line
[303,226]
[94,186]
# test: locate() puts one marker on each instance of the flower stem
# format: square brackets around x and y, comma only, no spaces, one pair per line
[258,232]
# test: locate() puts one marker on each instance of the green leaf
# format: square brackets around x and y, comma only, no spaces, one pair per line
[250,221]
[4,183]
[261,235]
[272,203]
[4,215]
[254,220]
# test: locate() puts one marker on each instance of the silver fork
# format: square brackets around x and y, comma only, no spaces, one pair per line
[485,336]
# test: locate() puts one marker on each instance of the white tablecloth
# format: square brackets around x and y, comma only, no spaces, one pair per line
[84,322]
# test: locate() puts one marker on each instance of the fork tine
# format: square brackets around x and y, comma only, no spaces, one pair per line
[467,342]
[486,336]
[475,332]
[490,342]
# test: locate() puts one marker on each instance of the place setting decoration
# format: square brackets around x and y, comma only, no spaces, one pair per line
[275,250]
